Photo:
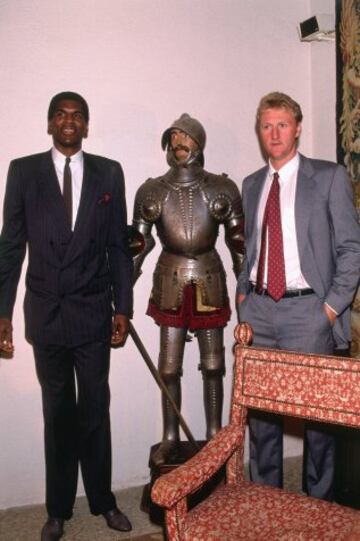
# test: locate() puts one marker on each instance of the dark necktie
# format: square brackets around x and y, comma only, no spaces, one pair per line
[67,189]
[271,229]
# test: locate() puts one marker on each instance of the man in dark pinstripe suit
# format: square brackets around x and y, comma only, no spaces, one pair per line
[78,301]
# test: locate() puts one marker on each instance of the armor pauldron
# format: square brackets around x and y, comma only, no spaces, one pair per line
[220,207]
[150,209]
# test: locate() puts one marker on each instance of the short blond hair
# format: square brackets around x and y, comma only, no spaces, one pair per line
[278,100]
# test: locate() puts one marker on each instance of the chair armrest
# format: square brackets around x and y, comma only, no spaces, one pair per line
[354,535]
[187,478]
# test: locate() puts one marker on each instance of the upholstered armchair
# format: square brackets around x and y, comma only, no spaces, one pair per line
[317,387]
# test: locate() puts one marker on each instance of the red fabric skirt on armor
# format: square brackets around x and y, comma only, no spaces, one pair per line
[188,316]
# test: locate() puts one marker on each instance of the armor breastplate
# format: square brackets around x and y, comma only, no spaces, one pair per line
[186,225]
[186,206]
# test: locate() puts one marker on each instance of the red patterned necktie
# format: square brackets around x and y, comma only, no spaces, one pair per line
[271,229]
[67,189]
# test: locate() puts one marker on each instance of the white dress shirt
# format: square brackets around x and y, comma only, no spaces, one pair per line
[288,180]
[77,173]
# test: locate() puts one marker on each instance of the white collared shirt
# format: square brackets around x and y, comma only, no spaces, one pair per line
[77,174]
[288,181]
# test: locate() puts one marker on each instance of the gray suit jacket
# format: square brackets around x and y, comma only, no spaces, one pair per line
[328,235]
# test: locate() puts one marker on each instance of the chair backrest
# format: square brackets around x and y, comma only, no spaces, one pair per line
[318,387]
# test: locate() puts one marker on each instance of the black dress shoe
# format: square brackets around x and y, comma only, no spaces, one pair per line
[53,529]
[116,520]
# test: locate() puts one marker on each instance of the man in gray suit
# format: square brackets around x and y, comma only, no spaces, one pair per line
[300,273]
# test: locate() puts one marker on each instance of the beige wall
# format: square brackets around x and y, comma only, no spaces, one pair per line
[141,63]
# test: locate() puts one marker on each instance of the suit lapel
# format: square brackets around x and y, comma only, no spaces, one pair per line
[251,213]
[303,202]
[89,190]
[51,194]
[254,195]
[88,194]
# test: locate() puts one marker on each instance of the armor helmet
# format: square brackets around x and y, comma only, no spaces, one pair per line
[189,125]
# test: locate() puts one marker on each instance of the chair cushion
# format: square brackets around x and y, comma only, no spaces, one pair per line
[257,512]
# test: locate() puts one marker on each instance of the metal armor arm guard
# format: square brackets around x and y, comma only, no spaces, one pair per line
[225,207]
[234,238]
[141,244]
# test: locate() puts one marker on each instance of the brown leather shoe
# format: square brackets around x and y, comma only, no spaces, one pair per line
[116,520]
[53,529]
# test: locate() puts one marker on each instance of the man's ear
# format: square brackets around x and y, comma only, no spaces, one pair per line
[298,130]
[86,131]
[49,128]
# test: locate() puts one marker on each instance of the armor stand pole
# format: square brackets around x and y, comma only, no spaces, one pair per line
[154,372]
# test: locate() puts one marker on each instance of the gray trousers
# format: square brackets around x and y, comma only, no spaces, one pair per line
[298,324]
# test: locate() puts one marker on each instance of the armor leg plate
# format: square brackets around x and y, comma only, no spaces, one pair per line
[172,342]
[212,366]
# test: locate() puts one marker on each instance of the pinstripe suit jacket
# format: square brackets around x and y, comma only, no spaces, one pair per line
[328,235]
[74,280]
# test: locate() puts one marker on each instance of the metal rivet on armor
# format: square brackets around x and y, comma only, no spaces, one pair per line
[221,207]
[150,209]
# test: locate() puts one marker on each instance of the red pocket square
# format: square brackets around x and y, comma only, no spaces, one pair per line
[104,199]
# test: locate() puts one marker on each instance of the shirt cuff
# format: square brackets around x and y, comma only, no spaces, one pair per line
[332,309]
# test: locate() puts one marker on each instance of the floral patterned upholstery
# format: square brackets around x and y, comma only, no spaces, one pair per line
[316,387]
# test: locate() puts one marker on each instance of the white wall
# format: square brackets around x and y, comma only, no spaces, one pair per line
[140,64]
[323,90]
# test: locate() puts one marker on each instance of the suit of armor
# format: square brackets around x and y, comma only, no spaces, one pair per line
[187,206]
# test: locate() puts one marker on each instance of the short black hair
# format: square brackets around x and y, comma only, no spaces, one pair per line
[68,95]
